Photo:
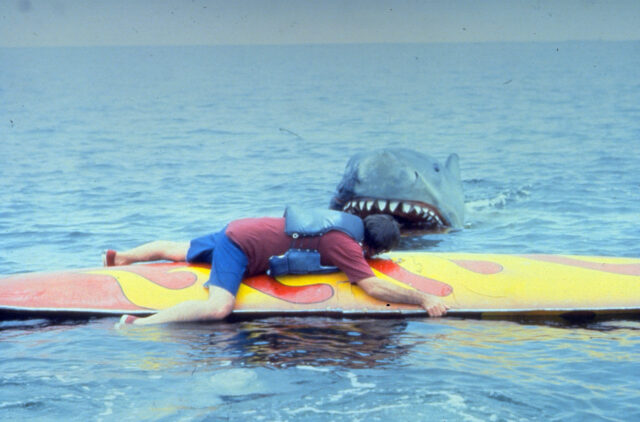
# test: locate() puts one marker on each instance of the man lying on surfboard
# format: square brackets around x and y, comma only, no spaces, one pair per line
[301,242]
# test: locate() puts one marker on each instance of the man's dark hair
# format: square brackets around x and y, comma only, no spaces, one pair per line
[381,232]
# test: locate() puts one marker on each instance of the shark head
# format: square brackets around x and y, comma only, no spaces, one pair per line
[419,192]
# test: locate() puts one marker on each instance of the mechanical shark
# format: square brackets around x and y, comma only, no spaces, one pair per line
[421,194]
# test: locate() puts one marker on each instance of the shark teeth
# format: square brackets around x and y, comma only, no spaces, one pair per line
[403,209]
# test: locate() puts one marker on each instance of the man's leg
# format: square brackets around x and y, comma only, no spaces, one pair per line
[218,306]
[153,251]
[222,286]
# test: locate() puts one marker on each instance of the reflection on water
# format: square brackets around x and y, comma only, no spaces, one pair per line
[322,342]
[291,341]
[349,344]
[319,368]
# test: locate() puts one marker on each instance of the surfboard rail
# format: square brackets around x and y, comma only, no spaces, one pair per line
[485,285]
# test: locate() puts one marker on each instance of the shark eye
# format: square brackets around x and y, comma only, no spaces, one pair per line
[436,168]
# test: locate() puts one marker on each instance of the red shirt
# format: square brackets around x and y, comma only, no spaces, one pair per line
[262,238]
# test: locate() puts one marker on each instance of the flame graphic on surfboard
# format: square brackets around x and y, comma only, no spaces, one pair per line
[479,283]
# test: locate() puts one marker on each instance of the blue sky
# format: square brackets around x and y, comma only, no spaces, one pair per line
[211,22]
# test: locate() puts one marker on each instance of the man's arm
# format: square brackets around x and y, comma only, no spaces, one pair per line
[386,291]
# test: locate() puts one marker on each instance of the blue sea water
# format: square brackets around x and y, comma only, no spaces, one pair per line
[112,147]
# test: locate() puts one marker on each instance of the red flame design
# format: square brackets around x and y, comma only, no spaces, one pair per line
[312,293]
[424,284]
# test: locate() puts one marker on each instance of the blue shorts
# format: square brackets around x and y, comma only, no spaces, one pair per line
[228,262]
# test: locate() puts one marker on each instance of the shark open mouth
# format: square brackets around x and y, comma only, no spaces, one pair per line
[411,215]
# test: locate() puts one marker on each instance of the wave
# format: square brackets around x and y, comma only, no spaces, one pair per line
[500,200]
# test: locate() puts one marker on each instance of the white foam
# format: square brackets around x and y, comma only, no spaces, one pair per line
[312,368]
[459,405]
[235,382]
[355,383]
[358,389]
[366,410]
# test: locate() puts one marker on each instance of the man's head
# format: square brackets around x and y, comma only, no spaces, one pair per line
[381,234]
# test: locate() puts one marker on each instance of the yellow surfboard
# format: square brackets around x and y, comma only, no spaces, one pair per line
[478,284]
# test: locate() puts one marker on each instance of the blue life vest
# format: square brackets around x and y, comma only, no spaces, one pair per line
[309,223]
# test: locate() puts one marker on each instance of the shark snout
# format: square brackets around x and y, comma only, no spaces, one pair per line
[384,172]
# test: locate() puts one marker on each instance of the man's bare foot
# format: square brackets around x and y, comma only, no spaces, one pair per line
[109,258]
[125,320]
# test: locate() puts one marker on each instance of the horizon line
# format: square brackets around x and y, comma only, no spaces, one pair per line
[333,43]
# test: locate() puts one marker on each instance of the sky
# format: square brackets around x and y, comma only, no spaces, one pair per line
[27,23]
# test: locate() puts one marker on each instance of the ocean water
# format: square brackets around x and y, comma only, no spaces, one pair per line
[112,147]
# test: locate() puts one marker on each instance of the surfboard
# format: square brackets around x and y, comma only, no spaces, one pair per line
[483,285]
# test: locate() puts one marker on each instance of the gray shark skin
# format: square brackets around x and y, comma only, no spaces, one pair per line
[421,194]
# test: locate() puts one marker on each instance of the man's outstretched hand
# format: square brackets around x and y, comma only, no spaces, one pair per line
[434,306]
